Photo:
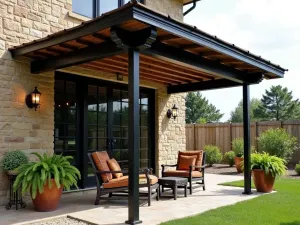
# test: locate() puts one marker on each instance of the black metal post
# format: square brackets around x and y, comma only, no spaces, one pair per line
[133,136]
[246,118]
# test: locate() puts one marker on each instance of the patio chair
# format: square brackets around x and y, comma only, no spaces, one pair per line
[110,179]
[191,165]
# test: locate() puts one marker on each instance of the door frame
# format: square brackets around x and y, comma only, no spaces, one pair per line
[82,83]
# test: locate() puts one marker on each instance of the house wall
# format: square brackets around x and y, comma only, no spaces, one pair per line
[173,8]
[22,128]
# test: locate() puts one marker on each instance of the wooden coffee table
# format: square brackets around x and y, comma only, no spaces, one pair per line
[174,183]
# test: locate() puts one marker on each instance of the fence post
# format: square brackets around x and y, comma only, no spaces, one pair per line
[256,135]
[194,136]
[230,136]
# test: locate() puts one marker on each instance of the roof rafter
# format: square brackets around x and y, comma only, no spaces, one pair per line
[94,52]
[207,65]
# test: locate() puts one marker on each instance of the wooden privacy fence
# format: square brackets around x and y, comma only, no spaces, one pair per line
[222,134]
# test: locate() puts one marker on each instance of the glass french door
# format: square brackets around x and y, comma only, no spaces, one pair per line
[92,115]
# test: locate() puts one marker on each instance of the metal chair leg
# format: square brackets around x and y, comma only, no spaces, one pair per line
[98,197]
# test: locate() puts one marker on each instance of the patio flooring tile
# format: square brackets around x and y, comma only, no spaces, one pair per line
[114,212]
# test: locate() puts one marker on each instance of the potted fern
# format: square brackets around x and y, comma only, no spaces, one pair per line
[46,179]
[238,149]
[265,168]
[12,160]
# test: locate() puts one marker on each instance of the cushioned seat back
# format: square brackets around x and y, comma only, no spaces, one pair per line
[198,153]
[100,161]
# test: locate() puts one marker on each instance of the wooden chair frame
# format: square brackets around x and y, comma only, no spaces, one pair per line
[199,181]
[104,191]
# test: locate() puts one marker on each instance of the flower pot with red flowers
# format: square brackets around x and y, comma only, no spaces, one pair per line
[45,180]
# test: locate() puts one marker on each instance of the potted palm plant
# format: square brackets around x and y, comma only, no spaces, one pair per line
[45,180]
[238,149]
[265,168]
[12,160]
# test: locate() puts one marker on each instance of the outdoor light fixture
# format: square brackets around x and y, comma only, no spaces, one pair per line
[33,100]
[173,112]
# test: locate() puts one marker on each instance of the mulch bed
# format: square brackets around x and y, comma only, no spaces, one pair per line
[224,169]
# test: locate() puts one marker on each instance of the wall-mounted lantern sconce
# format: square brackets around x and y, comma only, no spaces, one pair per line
[33,100]
[173,112]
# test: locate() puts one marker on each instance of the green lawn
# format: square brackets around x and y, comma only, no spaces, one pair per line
[281,208]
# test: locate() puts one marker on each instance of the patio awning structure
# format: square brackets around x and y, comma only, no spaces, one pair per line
[140,43]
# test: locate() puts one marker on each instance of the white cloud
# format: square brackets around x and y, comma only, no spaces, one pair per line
[269,28]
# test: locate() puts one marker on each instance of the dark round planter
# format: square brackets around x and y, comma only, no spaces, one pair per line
[263,183]
[12,172]
[49,199]
[237,162]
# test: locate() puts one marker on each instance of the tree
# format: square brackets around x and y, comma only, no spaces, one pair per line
[236,116]
[278,104]
[198,109]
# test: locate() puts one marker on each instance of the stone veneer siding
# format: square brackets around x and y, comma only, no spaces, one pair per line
[22,128]
[173,8]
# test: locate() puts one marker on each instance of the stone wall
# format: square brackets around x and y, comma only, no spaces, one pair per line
[22,128]
[170,133]
[173,8]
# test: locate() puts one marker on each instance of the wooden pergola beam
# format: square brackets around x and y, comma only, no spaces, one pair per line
[209,66]
[94,52]
[152,69]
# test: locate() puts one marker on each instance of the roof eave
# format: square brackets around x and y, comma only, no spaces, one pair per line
[189,2]
[186,31]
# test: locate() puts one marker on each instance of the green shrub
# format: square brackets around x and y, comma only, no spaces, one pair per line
[268,163]
[297,168]
[238,147]
[277,142]
[34,175]
[229,158]
[213,154]
[13,159]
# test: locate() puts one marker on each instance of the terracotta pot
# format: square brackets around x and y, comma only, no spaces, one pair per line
[49,199]
[237,162]
[263,183]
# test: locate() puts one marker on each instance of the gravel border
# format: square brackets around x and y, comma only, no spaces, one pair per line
[61,221]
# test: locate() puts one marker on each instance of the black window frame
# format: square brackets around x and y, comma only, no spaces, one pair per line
[96,4]
[82,120]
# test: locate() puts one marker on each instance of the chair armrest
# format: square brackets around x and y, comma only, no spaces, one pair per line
[141,171]
[168,165]
[201,168]
[197,167]
[164,166]
[102,172]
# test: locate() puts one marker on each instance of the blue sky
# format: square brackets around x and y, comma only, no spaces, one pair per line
[269,28]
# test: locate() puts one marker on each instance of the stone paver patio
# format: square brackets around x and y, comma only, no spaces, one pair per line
[114,212]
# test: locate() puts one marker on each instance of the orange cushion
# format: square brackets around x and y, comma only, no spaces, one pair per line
[186,161]
[100,159]
[123,181]
[182,173]
[198,154]
[114,166]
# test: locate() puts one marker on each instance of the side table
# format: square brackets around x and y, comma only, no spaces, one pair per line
[15,197]
[174,183]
